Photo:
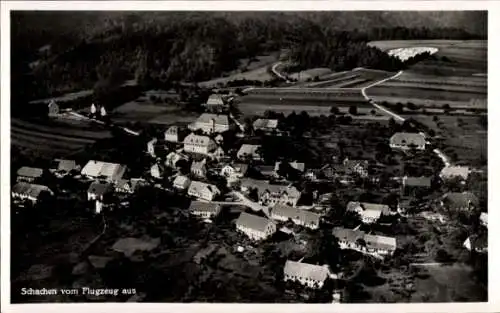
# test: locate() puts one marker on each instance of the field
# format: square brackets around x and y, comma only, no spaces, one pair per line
[256,70]
[148,112]
[357,78]
[464,138]
[54,138]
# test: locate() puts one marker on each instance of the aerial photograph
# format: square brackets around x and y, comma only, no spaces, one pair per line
[248,156]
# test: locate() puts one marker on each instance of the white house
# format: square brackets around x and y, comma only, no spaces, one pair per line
[108,171]
[199,169]
[181,182]
[300,217]
[276,194]
[199,144]
[249,151]
[380,245]
[405,141]
[174,134]
[204,209]
[255,227]
[31,192]
[451,172]
[349,238]
[53,108]
[310,275]
[203,190]
[98,190]
[157,171]
[369,212]
[376,245]
[235,171]
[211,123]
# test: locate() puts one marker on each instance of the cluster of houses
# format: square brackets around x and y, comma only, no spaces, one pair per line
[200,146]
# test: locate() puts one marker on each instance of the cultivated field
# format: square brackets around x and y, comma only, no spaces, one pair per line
[52,138]
[147,112]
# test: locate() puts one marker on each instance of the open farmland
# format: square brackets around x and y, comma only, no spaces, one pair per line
[52,138]
[147,112]
[317,95]
[357,78]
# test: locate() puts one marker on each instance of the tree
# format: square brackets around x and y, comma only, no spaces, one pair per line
[334,110]
[353,110]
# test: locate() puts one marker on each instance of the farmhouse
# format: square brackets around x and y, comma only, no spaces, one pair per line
[181,182]
[98,190]
[407,141]
[276,194]
[300,217]
[129,186]
[199,144]
[219,139]
[204,209]
[349,238]
[108,171]
[248,151]
[255,227]
[199,169]
[29,174]
[211,123]
[451,172]
[157,171]
[66,166]
[380,245]
[460,201]
[310,275]
[203,190]
[369,212]
[32,192]
[216,103]
[354,167]
[172,159]
[265,124]
[53,109]
[218,154]
[175,134]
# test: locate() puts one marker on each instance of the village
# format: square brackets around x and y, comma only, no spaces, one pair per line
[225,171]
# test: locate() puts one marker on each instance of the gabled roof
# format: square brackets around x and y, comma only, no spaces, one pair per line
[408,139]
[194,139]
[254,222]
[32,190]
[349,235]
[98,168]
[198,186]
[380,242]
[305,270]
[417,181]
[219,119]
[99,188]
[26,171]
[365,206]
[181,180]
[305,216]
[248,149]
[198,166]
[66,165]
[200,206]
[296,165]
[460,199]
[452,171]
[215,99]
[265,123]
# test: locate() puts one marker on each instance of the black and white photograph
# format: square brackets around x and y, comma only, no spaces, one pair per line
[229,156]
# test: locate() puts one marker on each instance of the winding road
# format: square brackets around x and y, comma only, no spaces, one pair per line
[381,108]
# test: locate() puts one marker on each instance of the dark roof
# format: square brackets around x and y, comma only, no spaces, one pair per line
[200,206]
[417,181]
[99,188]
[253,221]
[479,241]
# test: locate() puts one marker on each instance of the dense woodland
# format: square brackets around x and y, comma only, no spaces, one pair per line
[185,46]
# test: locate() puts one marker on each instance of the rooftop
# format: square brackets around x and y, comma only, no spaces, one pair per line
[408,139]
[305,216]
[194,139]
[417,181]
[296,165]
[248,149]
[348,235]
[200,206]
[254,222]
[265,123]
[305,270]
[99,188]
[198,186]
[380,242]
[98,168]
[220,119]
[33,172]
[32,190]
[451,171]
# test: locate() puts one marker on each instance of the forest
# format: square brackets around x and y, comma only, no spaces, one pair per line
[188,46]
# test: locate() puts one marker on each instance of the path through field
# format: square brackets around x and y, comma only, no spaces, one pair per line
[381,108]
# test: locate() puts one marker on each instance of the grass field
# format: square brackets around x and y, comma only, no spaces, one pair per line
[147,112]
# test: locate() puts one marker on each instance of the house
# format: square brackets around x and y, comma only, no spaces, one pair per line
[129,186]
[151,147]
[172,158]
[265,124]
[175,134]
[300,167]
[300,217]
[199,169]
[203,190]
[108,171]
[204,209]
[216,103]
[211,123]
[478,243]
[254,226]
[483,218]
[277,194]
[265,170]
[407,141]
[32,192]
[248,151]
[98,190]
[181,182]
[157,171]
[218,154]
[310,275]
[349,238]
[356,167]
[326,172]
[219,139]
[451,172]
[29,174]
[53,109]
[235,171]
[380,245]
[460,201]
[199,144]
[369,212]
[64,167]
